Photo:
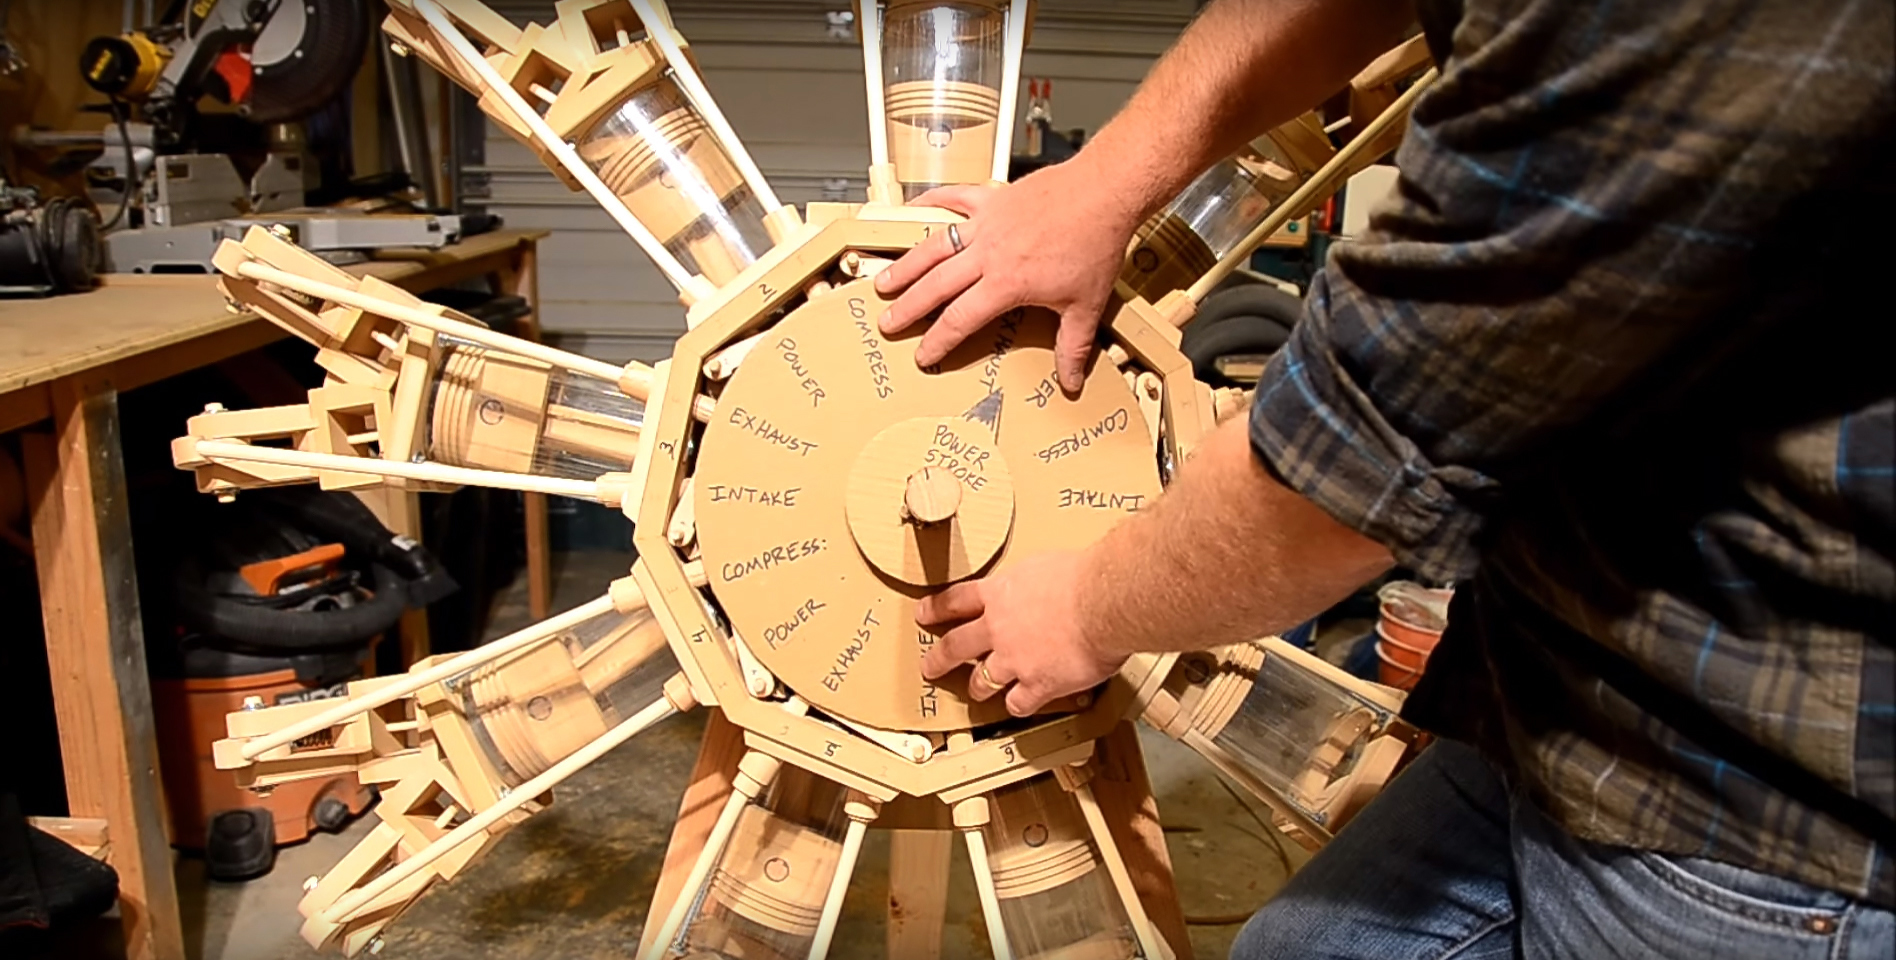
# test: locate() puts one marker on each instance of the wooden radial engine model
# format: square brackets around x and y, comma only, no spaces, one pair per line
[797,484]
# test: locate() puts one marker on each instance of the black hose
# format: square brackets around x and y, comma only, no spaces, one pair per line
[244,621]
[345,520]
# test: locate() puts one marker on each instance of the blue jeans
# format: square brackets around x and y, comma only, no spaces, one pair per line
[1449,863]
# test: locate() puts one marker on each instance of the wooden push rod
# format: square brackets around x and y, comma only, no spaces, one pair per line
[634,379]
[871,26]
[1320,183]
[414,316]
[444,670]
[425,472]
[1149,942]
[990,901]
[1017,14]
[566,153]
[693,87]
[691,893]
[839,887]
[553,776]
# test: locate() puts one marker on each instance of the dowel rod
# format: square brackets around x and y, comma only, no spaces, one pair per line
[984,886]
[552,777]
[838,888]
[414,316]
[659,30]
[1319,184]
[692,892]
[1149,941]
[566,153]
[425,472]
[435,674]
[871,27]
[1017,14]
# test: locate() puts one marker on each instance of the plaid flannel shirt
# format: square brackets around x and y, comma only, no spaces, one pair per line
[1614,359]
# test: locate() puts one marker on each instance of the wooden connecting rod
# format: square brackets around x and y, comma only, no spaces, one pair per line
[861,809]
[339,912]
[1017,14]
[869,21]
[417,317]
[634,379]
[656,28]
[984,886]
[425,472]
[566,153]
[1150,943]
[970,816]
[1320,184]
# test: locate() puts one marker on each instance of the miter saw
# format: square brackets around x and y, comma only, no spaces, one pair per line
[275,60]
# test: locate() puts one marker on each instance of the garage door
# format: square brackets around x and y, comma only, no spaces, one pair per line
[793,91]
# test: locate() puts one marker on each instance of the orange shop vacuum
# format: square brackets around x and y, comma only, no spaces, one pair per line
[281,602]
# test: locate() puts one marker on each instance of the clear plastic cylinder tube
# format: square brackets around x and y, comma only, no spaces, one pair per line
[1296,731]
[765,899]
[533,708]
[1056,897]
[942,67]
[657,154]
[491,410]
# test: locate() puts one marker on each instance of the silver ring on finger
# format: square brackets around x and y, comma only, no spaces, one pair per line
[954,237]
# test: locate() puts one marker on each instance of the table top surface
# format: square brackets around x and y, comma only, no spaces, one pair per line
[129,314]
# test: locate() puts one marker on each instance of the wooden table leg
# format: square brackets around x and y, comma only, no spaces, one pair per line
[918,891]
[82,538]
[521,278]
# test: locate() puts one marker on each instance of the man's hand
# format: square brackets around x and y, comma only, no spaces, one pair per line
[1055,239]
[1026,622]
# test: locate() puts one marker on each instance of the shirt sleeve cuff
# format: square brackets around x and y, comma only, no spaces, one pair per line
[1324,438]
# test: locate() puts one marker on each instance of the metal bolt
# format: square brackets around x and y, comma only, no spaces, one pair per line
[227,495]
[375,947]
[398,49]
[253,703]
[213,408]
[310,884]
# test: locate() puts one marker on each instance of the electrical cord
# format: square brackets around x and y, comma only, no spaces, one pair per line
[134,181]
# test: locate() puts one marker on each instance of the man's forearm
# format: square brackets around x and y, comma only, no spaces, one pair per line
[1227,554]
[1242,67]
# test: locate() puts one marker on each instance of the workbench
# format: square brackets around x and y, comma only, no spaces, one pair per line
[65,360]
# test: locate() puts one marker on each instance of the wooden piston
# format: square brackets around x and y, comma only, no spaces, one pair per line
[1034,847]
[776,872]
[942,132]
[538,706]
[1167,255]
[492,411]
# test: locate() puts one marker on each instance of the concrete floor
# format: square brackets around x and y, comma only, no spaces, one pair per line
[574,882]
